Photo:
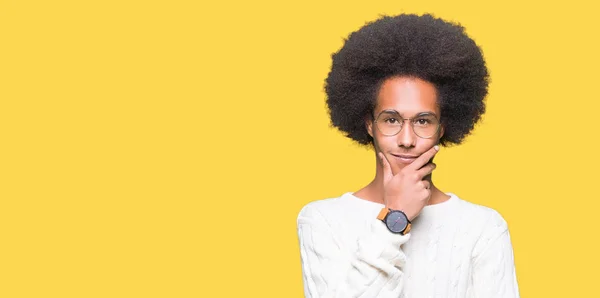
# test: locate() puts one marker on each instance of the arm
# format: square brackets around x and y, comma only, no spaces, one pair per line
[494,267]
[330,269]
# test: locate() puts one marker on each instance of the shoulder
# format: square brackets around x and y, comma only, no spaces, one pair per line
[344,208]
[489,225]
[320,208]
[486,217]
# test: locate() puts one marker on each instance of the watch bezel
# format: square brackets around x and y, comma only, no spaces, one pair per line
[406,220]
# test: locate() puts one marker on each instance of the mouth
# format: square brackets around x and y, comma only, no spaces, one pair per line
[405,159]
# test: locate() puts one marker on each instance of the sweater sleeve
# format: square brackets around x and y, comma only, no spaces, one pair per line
[494,274]
[331,269]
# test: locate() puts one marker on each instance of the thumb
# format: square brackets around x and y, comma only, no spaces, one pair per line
[387,169]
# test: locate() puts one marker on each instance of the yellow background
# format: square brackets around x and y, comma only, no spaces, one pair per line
[165,148]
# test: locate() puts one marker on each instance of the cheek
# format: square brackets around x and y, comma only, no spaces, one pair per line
[426,144]
[384,143]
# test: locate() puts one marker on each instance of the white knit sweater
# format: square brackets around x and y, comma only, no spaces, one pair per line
[454,249]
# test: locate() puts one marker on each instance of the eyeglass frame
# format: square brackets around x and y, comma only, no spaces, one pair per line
[411,123]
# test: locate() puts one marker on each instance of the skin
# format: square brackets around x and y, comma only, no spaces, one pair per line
[402,184]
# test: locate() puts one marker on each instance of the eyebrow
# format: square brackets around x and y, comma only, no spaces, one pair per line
[417,115]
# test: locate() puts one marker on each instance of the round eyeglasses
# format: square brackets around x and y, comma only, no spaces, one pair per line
[390,123]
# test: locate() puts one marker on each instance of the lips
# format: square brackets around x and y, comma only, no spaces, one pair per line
[406,159]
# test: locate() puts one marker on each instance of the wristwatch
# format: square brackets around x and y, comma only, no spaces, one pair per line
[395,220]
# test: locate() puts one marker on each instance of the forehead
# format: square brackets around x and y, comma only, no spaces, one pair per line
[409,96]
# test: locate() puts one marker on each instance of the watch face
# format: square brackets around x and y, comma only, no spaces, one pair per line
[396,221]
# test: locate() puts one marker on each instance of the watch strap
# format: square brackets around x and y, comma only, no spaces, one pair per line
[407,229]
[383,213]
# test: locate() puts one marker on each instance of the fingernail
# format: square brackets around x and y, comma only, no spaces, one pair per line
[437,148]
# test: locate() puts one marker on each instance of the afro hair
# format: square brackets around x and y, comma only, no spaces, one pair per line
[424,47]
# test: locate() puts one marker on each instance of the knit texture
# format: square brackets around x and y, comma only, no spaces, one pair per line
[454,249]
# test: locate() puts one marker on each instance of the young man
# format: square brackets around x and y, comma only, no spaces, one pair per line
[403,85]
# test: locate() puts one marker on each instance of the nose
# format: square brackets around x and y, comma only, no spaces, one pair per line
[406,136]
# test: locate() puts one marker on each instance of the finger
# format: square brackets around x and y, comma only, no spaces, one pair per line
[387,169]
[424,158]
[426,170]
[425,184]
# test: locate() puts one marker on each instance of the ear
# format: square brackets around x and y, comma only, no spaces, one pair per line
[441,132]
[369,125]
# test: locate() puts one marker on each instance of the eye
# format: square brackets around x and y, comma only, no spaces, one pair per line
[390,120]
[422,121]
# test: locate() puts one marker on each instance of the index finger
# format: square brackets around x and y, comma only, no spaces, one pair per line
[424,158]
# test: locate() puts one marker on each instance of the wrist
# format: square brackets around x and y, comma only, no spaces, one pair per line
[396,220]
[409,213]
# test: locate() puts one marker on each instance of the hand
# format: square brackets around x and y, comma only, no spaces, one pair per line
[407,190]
